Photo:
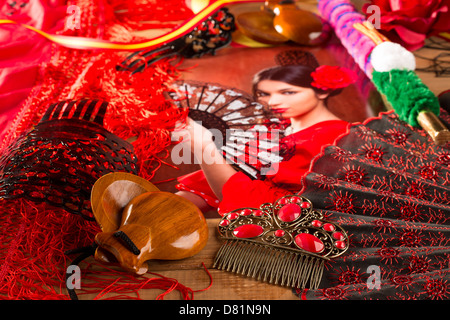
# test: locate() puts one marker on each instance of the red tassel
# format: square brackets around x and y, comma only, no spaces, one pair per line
[32,244]
[128,286]
[139,108]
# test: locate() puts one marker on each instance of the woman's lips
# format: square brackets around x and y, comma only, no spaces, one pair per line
[279,110]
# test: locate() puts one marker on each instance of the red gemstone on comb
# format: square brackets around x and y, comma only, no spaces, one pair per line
[316,223]
[305,205]
[248,231]
[224,223]
[338,236]
[233,216]
[258,213]
[246,212]
[309,242]
[289,212]
[340,244]
[280,233]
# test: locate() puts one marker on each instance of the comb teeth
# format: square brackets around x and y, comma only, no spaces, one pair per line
[270,264]
[84,109]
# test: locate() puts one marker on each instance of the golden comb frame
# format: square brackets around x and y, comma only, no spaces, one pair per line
[285,243]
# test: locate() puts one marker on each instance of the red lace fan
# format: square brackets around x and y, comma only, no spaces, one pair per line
[386,184]
[240,125]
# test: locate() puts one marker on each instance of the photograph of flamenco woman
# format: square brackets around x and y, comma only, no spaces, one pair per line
[290,92]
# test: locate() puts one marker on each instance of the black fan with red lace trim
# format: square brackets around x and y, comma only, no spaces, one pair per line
[243,128]
[386,184]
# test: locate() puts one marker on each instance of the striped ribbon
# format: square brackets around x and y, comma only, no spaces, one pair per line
[90,43]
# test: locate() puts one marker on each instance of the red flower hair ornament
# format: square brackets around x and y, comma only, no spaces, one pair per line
[332,77]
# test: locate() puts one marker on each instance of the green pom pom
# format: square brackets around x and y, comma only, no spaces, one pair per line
[407,94]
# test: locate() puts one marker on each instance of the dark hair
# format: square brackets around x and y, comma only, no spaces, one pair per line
[296,57]
[296,75]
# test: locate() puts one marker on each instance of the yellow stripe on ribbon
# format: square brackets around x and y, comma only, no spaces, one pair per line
[445,35]
[90,43]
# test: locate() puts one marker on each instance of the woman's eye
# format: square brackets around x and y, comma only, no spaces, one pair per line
[261,94]
[289,92]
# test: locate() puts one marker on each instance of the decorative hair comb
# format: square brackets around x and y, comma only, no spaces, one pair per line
[285,243]
[209,36]
[60,158]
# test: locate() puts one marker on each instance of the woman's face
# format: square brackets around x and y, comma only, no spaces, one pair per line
[285,99]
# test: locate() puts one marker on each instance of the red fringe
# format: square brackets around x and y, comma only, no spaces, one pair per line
[139,108]
[33,240]
[153,14]
[128,286]
[33,265]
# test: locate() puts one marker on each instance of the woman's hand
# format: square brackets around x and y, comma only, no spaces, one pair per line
[217,171]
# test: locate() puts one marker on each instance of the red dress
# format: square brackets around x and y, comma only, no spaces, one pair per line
[241,191]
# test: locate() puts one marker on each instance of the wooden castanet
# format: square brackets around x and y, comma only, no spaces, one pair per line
[154,225]
[111,193]
[258,26]
[282,21]
[298,25]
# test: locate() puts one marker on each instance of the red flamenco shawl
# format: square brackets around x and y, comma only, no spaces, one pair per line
[385,183]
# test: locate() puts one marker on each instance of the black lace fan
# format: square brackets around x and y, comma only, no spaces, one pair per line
[243,129]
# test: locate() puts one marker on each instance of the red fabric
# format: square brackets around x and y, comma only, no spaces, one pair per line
[22,51]
[196,183]
[241,191]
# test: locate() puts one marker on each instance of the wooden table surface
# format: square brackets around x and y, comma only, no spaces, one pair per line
[225,285]
[191,273]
